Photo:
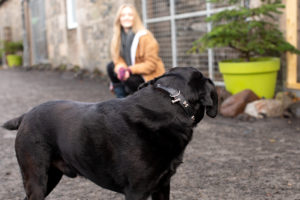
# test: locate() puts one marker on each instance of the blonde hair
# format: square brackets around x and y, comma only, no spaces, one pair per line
[116,39]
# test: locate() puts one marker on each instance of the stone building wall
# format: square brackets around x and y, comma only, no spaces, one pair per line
[11,20]
[86,46]
[56,32]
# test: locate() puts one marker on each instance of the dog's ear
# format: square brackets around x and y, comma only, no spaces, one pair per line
[195,79]
[210,99]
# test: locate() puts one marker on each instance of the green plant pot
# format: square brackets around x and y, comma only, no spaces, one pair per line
[14,60]
[258,75]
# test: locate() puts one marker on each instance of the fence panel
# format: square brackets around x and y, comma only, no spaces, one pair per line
[176,24]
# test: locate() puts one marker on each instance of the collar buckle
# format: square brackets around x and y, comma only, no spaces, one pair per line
[175,97]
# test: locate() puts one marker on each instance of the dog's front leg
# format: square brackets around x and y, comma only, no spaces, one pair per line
[163,193]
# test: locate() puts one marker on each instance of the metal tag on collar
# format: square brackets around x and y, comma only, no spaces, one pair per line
[185,104]
[175,97]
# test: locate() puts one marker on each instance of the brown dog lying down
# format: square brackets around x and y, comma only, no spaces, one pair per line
[131,146]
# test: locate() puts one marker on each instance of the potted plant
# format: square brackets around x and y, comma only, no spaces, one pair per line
[254,34]
[13,51]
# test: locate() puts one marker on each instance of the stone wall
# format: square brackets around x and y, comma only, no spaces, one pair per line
[11,21]
[86,46]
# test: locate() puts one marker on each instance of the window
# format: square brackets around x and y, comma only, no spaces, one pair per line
[71,14]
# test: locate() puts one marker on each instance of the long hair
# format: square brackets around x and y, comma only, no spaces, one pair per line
[116,39]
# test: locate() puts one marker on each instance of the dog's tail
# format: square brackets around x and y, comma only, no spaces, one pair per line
[13,124]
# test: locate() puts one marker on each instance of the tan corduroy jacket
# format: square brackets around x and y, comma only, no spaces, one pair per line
[144,56]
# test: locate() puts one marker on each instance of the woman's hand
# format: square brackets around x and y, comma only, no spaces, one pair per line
[123,73]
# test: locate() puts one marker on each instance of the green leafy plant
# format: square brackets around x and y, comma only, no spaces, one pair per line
[12,47]
[250,31]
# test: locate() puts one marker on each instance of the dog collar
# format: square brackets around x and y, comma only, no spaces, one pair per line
[177,97]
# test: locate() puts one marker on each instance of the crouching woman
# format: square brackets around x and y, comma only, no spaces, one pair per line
[134,51]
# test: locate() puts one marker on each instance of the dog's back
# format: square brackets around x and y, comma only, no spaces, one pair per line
[49,107]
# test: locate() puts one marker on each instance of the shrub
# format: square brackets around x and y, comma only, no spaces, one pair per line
[250,31]
[13,47]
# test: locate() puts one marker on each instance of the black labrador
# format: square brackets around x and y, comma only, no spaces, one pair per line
[131,146]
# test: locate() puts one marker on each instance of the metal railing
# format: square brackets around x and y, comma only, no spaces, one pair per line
[176,24]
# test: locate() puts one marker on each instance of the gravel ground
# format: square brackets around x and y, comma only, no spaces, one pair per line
[227,158]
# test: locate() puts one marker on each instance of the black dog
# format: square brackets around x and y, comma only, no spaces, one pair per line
[131,146]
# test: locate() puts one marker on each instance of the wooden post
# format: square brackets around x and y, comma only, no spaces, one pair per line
[291,36]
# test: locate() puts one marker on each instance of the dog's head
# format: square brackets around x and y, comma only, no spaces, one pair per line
[198,90]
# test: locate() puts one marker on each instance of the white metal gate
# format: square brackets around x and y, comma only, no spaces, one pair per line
[176,24]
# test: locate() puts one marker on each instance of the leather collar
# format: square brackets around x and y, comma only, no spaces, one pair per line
[177,97]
